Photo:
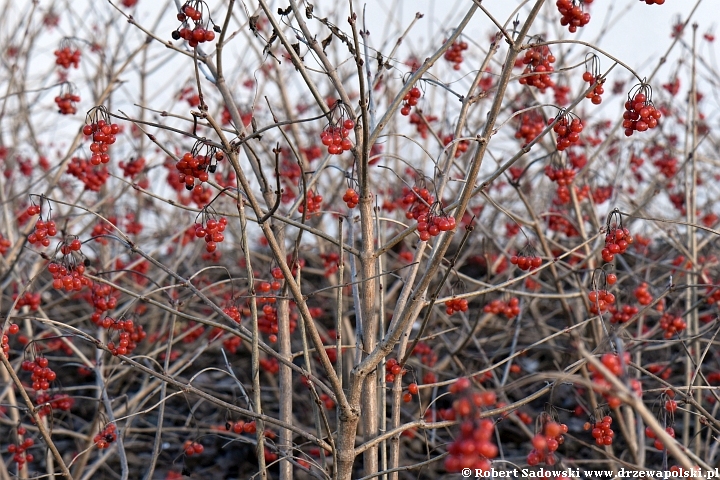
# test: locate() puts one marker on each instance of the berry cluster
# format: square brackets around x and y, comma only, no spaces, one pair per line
[653,2]
[413,389]
[103,135]
[545,444]
[351,198]
[198,164]
[454,54]
[42,233]
[509,309]
[563,176]
[538,65]
[331,261]
[19,451]
[68,274]
[192,448]
[525,263]
[212,232]
[83,170]
[595,94]
[66,56]
[616,242]
[193,28]
[42,375]
[410,100]
[623,314]
[532,124]
[106,436]
[672,324]
[312,202]
[567,128]
[421,123]
[130,335]
[614,364]
[241,427]
[456,305]
[393,369]
[66,103]
[462,145]
[103,298]
[336,137]
[640,113]
[46,404]
[12,329]
[29,299]
[642,294]
[417,201]
[572,14]
[430,225]
[473,447]
[650,433]
[600,301]
[601,431]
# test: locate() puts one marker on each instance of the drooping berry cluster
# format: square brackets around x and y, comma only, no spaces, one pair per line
[462,145]
[509,309]
[653,2]
[91,177]
[456,305]
[642,294]
[417,201]
[430,225]
[312,202]
[103,131]
[59,401]
[617,238]
[43,229]
[538,66]
[546,444]
[615,365]
[410,100]
[640,112]
[331,261]
[336,135]
[567,128]
[12,329]
[19,450]
[600,301]
[198,164]
[194,29]
[532,124]
[650,433]
[623,314]
[454,53]
[672,324]
[69,273]
[106,436]
[351,198]
[130,335]
[212,231]
[601,431]
[67,55]
[29,299]
[592,76]
[563,176]
[393,369]
[413,389]
[473,447]
[66,103]
[336,138]
[42,374]
[572,13]
[192,448]
[241,427]
[526,262]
